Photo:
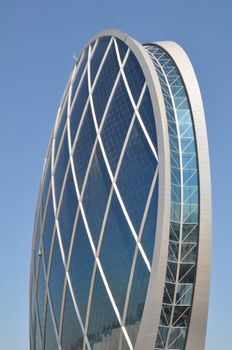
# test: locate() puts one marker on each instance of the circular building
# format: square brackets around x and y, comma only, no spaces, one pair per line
[121,247]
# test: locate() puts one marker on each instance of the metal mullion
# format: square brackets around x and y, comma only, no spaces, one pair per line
[62,309]
[49,302]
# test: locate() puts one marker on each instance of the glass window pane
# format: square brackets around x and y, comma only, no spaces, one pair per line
[117,262]
[134,76]
[137,298]
[81,267]
[68,211]
[48,228]
[98,55]
[97,191]
[116,124]
[78,107]
[136,174]
[56,280]
[84,147]
[105,83]
[50,337]
[104,328]
[72,336]
[61,166]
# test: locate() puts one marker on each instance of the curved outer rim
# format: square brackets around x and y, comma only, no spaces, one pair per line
[153,303]
[198,321]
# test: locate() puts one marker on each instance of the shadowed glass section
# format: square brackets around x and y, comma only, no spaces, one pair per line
[50,337]
[78,107]
[137,298]
[105,83]
[37,240]
[136,174]
[104,328]
[149,231]
[48,228]
[116,124]
[67,211]
[81,267]
[37,344]
[41,293]
[84,147]
[61,166]
[72,336]
[122,48]
[81,66]
[96,194]
[148,118]
[117,253]
[98,55]
[56,280]
[134,76]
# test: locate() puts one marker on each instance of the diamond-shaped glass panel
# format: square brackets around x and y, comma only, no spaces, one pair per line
[136,174]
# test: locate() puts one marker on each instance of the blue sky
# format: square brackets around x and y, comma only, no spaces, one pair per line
[38,40]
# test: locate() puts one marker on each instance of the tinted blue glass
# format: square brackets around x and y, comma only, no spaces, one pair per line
[137,298]
[80,71]
[61,166]
[96,194]
[47,181]
[104,329]
[149,231]
[98,55]
[48,228]
[105,83]
[67,211]
[78,107]
[62,121]
[122,48]
[116,124]
[147,115]
[84,147]
[72,336]
[117,262]
[81,267]
[41,293]
[50,337]
[56,280]
[134,76]
[136,174]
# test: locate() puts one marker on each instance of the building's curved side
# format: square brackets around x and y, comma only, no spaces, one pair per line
[65,181]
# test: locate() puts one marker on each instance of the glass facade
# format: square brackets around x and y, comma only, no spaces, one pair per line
[98,209]
[101,207]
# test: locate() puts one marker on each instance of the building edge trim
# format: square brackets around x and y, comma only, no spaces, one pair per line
[199,315]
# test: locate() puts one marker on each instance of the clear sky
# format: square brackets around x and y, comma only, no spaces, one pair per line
[37,42]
